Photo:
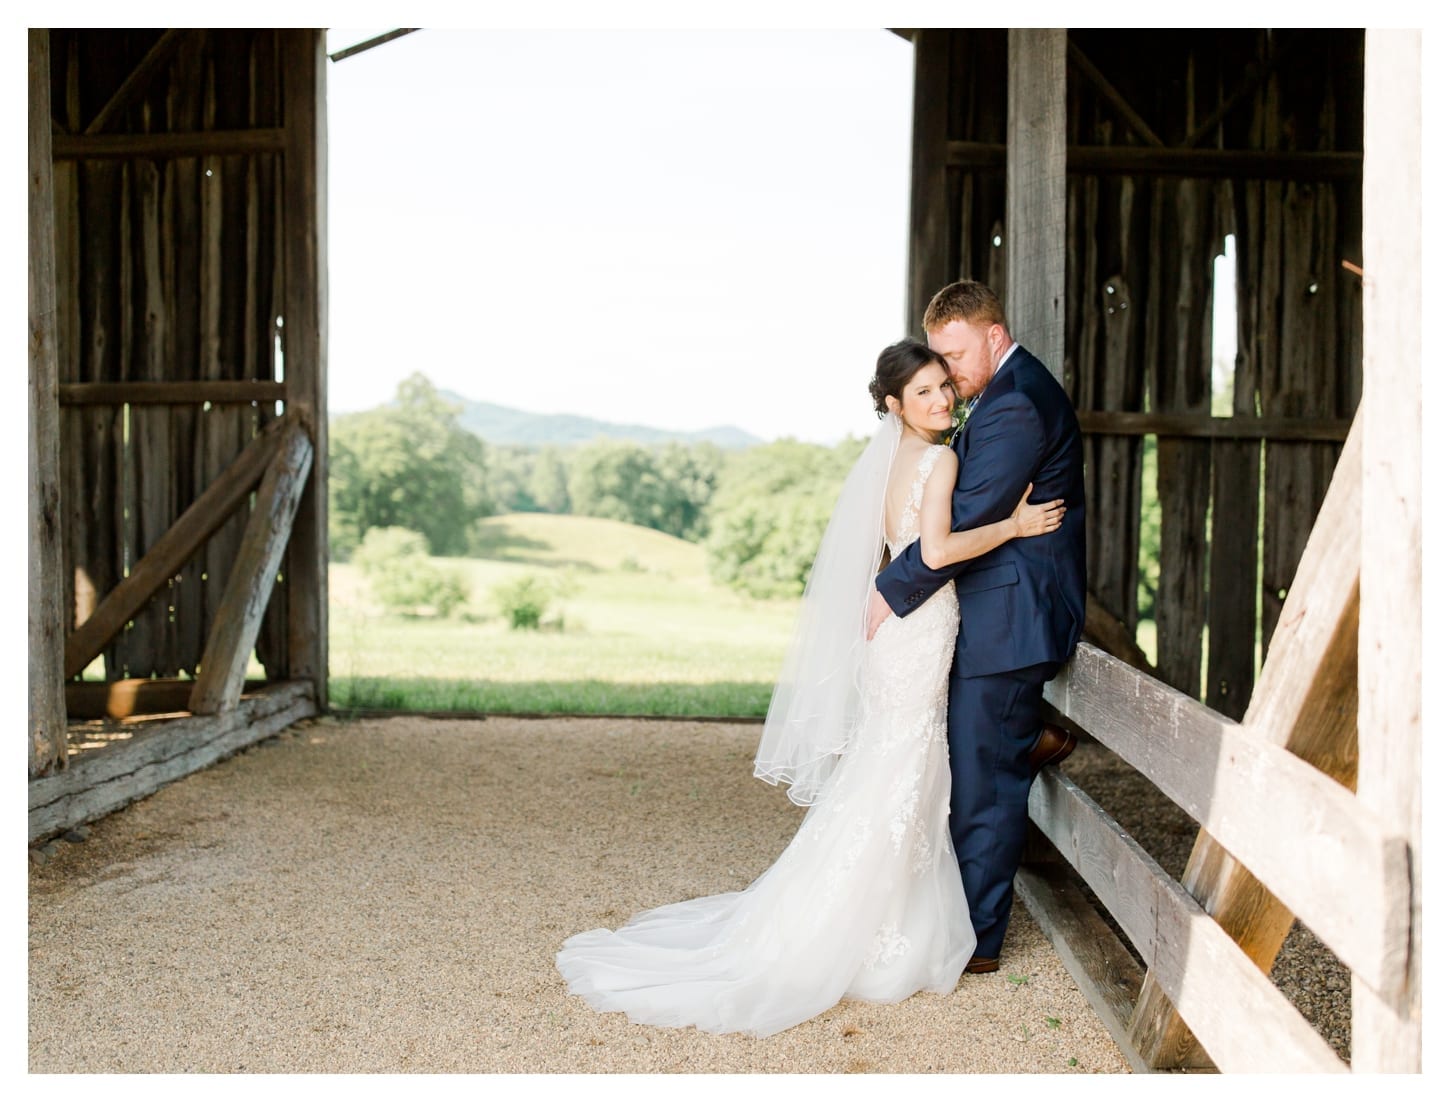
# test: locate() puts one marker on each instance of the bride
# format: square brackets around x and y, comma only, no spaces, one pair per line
[866,901]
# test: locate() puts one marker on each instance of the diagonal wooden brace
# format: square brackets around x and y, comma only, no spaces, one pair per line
[239,617]
[1305,700]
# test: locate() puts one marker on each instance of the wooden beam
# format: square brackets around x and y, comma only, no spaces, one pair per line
[179,393]
[1246,1024]
[170,552]
[134,696]
[1387,1019]
[378,40]
[238,618]
[304,339]
[198,143]
[46,586]
[1303,702]
[1037,191]
[1123,423]
[927,264]
[1103,969]
[1104,87]
[106,780]
[1300,832]
[1134,160]
[135,85]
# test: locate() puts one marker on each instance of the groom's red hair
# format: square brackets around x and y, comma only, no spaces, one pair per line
[965,300]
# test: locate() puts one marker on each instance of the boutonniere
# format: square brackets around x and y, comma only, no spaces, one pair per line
[960,412]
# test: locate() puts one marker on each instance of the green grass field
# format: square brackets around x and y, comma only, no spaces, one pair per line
[641,630]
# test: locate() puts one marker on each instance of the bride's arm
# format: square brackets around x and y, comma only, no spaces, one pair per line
[940,546]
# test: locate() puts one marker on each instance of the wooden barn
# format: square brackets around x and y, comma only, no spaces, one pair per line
[178,396]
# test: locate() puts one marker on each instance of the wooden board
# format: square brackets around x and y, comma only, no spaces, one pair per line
[174,392]
[107,780]
[304,259]
[134,696]
[1300,833]
[928,240]
[1243,1021]
[234,631]
[45,589]
[1104,971]
[202,143]
[1037,191]
[1387,1025]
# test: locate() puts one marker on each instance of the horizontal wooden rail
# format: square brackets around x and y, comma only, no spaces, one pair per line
[195,143]
[192,393]
[1133,160]
[1302,834]
[1132,423]
[1243,1021]
[133,696]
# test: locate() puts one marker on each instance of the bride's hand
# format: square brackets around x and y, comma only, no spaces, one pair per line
[1037,520]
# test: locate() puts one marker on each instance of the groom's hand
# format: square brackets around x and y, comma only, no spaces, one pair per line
[877,613]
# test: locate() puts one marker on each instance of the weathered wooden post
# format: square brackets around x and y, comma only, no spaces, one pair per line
[928,245]
[1387,1022]
[47,625]
[304,342]
[1037,191]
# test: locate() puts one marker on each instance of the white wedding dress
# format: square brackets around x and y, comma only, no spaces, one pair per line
[865,903]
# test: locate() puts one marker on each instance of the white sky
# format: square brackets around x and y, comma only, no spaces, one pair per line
[681,229]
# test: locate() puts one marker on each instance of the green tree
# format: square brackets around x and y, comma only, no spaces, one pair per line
[549,480]
[667,487]
[688,477]
[409,465]
[767,517]
[510,473]
[614,479]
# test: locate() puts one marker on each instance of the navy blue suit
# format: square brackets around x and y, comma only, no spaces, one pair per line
[1022,613]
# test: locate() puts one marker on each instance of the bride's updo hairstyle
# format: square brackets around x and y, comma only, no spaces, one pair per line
[897,366]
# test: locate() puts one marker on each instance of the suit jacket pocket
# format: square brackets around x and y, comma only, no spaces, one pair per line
[993,577]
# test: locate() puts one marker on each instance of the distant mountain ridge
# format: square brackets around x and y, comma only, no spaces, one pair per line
[502,425]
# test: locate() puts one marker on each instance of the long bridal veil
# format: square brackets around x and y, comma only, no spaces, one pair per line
[816,706]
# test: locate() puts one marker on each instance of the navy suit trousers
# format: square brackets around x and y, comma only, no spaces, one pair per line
[993,722]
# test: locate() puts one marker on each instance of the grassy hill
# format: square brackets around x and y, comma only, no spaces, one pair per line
[589,543]
[638,629]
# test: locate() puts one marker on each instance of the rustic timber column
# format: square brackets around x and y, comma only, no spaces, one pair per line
[304,342]
[1037,191]
[1387,1022]
[47,735]
[927,246]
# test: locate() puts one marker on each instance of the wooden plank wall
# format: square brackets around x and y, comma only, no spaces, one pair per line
[167,269]
[1140,264]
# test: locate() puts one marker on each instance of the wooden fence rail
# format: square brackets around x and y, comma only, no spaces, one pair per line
[1303,835]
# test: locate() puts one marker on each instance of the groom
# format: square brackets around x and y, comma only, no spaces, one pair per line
[1022,604]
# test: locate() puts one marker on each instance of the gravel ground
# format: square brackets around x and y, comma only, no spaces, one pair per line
[386,895]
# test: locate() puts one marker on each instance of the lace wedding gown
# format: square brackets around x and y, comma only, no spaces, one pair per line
[866,902]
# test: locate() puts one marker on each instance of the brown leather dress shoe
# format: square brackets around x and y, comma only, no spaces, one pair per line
[979,965]
[1053,745]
